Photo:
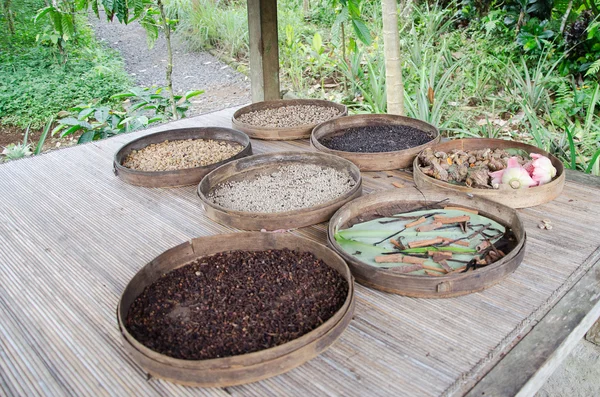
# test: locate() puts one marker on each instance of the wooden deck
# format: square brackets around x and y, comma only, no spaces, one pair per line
[72,235]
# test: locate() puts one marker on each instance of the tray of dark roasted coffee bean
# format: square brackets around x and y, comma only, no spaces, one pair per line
[511,173]
[427,243]
[231,309]
[375,142]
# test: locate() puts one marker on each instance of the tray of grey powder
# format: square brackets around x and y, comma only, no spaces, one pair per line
[375,142]
[178,157]
[285,119]
[283,190]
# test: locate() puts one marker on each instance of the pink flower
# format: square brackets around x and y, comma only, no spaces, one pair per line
[543,170]
[513,175]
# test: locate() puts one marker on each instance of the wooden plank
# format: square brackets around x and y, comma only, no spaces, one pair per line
[582,178]
[72,236]
[264,50]
[528,365]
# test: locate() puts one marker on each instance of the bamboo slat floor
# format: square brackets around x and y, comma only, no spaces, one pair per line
[72,235]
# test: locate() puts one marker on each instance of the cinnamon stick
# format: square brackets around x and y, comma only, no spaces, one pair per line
[417,222]
[395,258]
[456,219]
[424,243]
[435,269]
[397,184]
[458,270]
[430,273]
[413,260]
[430,227]
[446,266]
[397,244]
[457,242]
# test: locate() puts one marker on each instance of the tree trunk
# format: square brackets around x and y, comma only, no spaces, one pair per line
[565,17]
[167,28]
[306,8]
[9,18]
[393,67]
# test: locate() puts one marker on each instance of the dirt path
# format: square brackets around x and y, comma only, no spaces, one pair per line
[223,86]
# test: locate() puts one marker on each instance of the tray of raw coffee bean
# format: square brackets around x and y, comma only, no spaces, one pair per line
[285,119]
[178,157]
[231,309]
[427,243]
[512,173]
[375,142]
[282,190]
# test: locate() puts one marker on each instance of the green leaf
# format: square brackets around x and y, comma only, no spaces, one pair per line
[85,113]
[70,130]
[572,152]
[317,43]
[69,121]
[191,94]
[593,161]
[121,10]
[101,114]
[86,137]
[354,9]
[67,26]
[42,139]
[362,31]
[42,12]
[122,95]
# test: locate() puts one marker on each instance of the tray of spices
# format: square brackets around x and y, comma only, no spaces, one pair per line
[285,119]
[512,173]
[282,190]
[232,309]
[179,157]
[428,243]
[375,142]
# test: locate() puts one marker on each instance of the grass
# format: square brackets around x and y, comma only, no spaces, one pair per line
[36,81]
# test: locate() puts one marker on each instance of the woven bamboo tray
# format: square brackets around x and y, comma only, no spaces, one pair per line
[373,161]
[252,166]
[519,198]
[246,368]
[279,134]
[183,177]
[387,203]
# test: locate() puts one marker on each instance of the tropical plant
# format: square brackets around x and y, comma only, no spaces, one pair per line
[60,14]
[153,100]
[19,150]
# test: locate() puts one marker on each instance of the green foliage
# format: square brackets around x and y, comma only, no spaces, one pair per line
[62,23]
[153,100]
[145,106]
[36,81]
[534,34]
[98,122]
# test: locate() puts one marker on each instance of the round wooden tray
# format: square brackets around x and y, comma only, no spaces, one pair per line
[175,178]
[373,161]
[279,134]
[252,166]
[519,198]
[246,368]
[390,202]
